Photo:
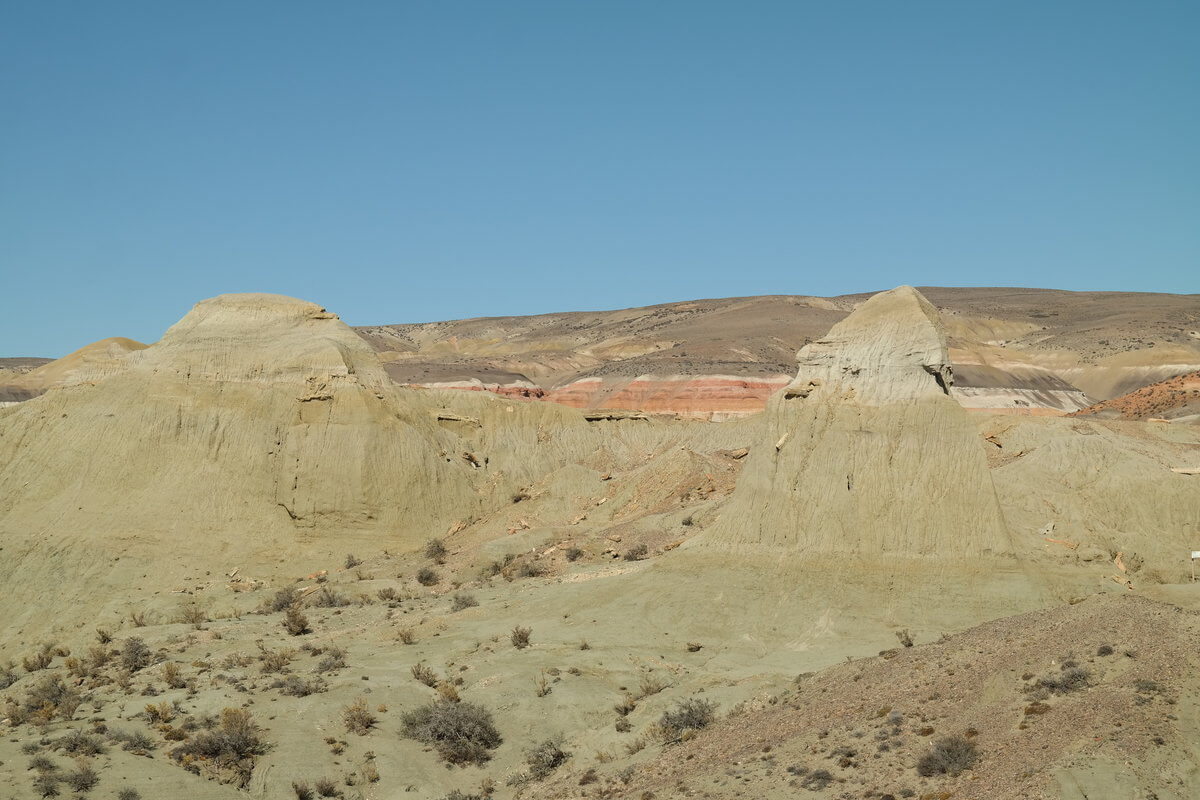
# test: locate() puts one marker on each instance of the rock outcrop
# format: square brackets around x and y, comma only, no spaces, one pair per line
[866,454]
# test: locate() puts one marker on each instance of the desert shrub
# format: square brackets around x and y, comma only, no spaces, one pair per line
[545,758]
[326,787]
[8,675]
[905,638]
[687,715]
[636,553]
[950,756]
[427,576]
[330,598]
[352,561]
[1068,680]
[520,637]
[462,733]
[43,764]
[78,743]
[282,600]
[574,553]
[530,569]
[135,654]
[435,550]
[137,619]
[46,784]
[388,594]
[192,614]
[406,636]
[295,686]
[1104,650]
[650,685]
[295,623]
[425,675]
[129,793]
[463,600]
[173,675]
[233,744]
[817,780]
[303,790]
[41,658]
[43,701]
[446,691]
[335,659]
[162,712]
[275,660]
[103,635]
[358,717]
[83,779]
[133,741]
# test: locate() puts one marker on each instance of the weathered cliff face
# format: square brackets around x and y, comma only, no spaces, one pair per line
[866,454]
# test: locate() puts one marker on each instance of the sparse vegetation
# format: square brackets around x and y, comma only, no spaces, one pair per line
[463,600]
[329,597]
[545,758]
[83,779]
[135,655]
[520,637]
[427,576]
[574,554]
[425,675]
[231,746]
[462,733]
[950,756]
[358,718]
[691,714]
[435,551]
[295,623]
[636,553]
[352,561]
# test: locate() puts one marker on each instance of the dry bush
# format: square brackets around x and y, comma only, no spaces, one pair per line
[272,661]
[427,576]
[159,713]
[303,790]
[78,743]
[462,733]
[40,659]
[231,746]
[335,659]
[388,594]
[435,550]
[463,600]
[905,638]
[137,619]
[192,614]
[329,598]
[358,717]
[83,779]
[574,553]
[424,674]
[541,686]
[545,758]
[129,793]
[448,692]
[173,675]
[1069,679]
[45,700]
[295,686]
[352,561]
[103,635]
[520,637]
[295,623]
[135,654]
[626,706]
[282,600]
[8,675]
[687,715]
[530,569]
[636,553]
[326,787]
[134,742]
[651,684]
[950,756]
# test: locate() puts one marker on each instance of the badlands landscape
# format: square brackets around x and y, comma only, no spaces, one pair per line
[923,543]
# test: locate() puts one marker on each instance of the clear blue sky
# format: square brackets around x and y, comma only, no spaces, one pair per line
[404,161]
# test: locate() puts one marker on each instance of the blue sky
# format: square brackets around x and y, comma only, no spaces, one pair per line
[403,161]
